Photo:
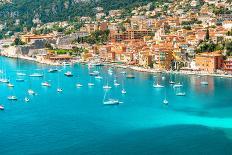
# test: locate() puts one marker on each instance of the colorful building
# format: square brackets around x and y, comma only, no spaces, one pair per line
[209,62]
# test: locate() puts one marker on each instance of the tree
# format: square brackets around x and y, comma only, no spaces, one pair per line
[207,35]
[18,41]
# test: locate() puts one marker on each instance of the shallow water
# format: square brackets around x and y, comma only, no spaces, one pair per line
[76,121]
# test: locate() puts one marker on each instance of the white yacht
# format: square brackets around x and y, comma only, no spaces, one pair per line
[21,74]
[1,107]
[157,86]
[68,74]
[79,85]
[26,99]
[99,77]
[165,101]
[116,83]
[107,87]
[181,94]
[178,85]
[10,85]
[204,83]
[123,91]
[46,84]
[111,102]
[31,92]
[14,98]
[90,84]
[59,90]
[36,75]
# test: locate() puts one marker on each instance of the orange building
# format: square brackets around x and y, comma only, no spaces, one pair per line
[130,35]
[228,65]
[209,62]
[30,37]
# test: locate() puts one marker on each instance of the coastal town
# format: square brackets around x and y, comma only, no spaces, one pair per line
[155,37]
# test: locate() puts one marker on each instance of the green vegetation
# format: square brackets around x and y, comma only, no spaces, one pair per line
[97,37]
[76,51]
[18,41]
[25,11]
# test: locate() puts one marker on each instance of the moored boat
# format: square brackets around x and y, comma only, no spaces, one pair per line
[111,102]
[1,107]
[36,75]
[68,74]
[13,98]
[46,84]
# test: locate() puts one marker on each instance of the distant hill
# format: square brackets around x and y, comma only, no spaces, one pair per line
[16,14]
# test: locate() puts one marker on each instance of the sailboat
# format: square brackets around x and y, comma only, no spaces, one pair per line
[116,84]
[165,101]
[110,101]
[171,81]
[107,86]
[31,92]
[98,77]
[19,73]
[59,89]
[91,84]
[204,82]
[179,92]
[178,85]
[123,89]
[157,85]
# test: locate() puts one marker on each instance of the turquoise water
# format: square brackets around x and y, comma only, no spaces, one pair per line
[76,121]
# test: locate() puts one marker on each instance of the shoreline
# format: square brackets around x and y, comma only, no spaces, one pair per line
[135,68]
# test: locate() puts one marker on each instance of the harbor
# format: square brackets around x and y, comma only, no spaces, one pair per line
[55,110]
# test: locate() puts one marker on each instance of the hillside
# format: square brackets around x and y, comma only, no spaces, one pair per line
[17,14]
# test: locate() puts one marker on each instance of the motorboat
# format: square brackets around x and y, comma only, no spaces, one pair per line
[123,91]
[130,76]
[1,107]
[157,86]
[111,102]
[26,99]
[66,64]
[10,85]
[19,80]
[79,85]
[68,74]
[52,70]
[204,83]
[90,84]
[94,73]
[59,90]
[116,83]
[20,74]
[178,85]
[123,72]
[181,94]
[165,101]
[99,77]
[46,84]
[107,87]
[31,92]
[13,98]
[171,82]
[36,75]
[4,80]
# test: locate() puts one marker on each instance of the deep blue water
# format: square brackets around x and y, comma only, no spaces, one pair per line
[76,121]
